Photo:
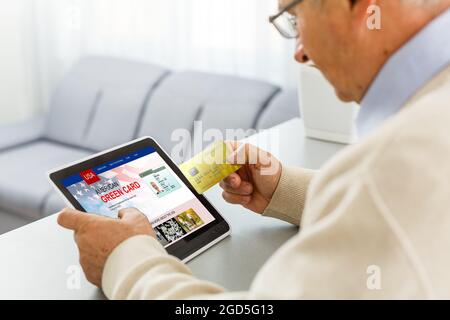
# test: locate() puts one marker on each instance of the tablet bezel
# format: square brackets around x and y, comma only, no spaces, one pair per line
[186,248]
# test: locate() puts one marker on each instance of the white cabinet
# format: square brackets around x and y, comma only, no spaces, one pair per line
[324,115]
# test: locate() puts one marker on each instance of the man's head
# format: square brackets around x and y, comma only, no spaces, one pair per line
[334,34]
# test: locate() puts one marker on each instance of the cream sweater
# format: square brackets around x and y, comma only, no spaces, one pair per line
[375,223]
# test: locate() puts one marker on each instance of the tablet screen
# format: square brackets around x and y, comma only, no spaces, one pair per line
[142,180]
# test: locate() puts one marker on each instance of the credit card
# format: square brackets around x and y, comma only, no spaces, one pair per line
[209,167]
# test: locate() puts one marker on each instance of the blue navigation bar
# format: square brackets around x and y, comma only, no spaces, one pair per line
[110,165]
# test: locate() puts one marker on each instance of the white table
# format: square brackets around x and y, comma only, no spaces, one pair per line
[36,260]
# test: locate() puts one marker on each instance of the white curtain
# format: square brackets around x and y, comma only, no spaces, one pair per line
[17,100]
[225,36]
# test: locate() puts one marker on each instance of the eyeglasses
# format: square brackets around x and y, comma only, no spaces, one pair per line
[286,23]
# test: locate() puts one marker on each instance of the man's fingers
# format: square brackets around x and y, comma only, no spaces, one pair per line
[243,173]
[245,188]
[72,219]
[233,180]
[236,199]
[123,213]
[128,213]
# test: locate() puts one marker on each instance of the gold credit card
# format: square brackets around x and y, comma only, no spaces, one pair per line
[209,167]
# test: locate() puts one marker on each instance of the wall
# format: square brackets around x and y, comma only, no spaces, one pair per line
[16,77]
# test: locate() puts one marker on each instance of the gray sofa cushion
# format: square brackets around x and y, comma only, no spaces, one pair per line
[95,85]
[219,101]
[24,186]
[283,107]
[24,132]
[116,117]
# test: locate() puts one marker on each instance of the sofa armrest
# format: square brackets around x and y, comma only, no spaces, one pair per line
[15,134]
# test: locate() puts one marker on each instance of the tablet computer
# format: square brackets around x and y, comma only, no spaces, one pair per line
[141,175]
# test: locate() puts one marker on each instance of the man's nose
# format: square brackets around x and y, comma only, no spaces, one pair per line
[300,54]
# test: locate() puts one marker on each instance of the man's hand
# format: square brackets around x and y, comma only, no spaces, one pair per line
[97,236]
[253,185]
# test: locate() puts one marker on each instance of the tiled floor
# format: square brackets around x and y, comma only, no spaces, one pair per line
[10,222]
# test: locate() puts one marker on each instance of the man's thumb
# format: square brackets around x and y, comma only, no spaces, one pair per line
[71,219]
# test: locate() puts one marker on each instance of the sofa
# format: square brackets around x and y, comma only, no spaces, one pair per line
[103,102]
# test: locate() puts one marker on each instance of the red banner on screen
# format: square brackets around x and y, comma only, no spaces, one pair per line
[89,176]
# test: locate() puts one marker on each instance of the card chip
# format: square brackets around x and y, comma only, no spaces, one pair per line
[193,172]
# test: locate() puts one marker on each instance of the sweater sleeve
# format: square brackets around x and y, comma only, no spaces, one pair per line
[289,198]
[140,268]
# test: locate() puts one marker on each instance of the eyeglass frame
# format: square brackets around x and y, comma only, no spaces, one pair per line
[279,14]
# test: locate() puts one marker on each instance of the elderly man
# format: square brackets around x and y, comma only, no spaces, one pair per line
[381,206]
